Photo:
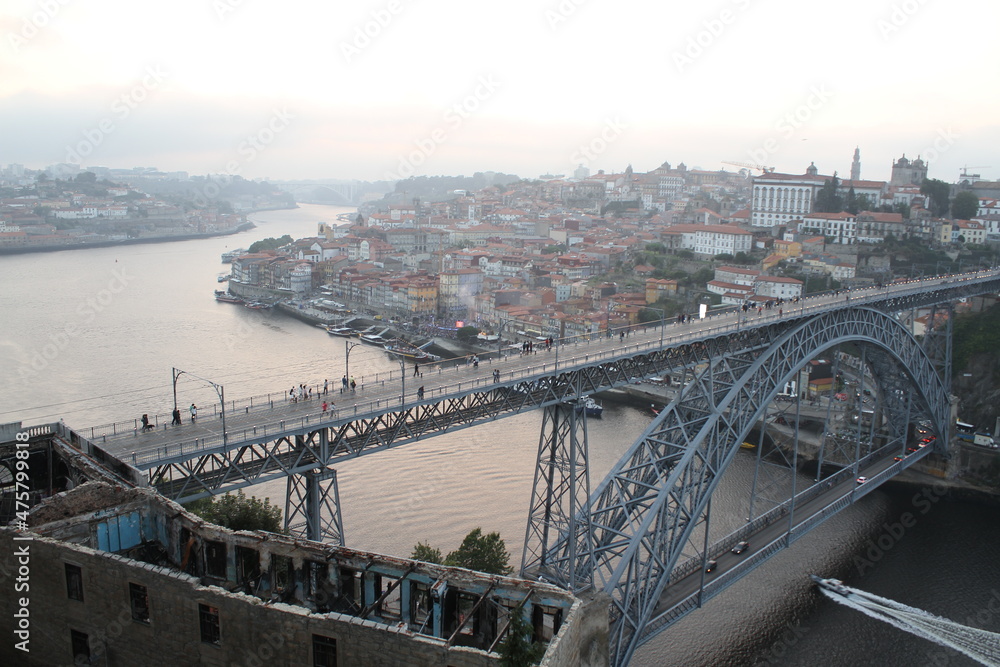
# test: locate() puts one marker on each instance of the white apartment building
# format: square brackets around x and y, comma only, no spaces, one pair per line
[841,227]
[779,198]
[710,239]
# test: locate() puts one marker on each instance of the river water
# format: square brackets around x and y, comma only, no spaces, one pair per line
[91,336]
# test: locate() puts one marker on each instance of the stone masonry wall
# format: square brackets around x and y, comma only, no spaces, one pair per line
[253,632]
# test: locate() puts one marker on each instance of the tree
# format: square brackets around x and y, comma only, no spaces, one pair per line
[851,206]
[427,553]
[518,648]
[965,205]
[86,177]
[270,243]
[237,512]
[827,199]
[467,333]
[655,247]
[483,553]
[938,192]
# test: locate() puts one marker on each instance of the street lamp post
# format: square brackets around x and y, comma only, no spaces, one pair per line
[663,315]
[176,373]
[348,346]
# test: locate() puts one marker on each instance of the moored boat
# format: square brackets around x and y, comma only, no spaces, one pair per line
[373,339]
[344,332]
[225,297]
[590,406]
[401,348]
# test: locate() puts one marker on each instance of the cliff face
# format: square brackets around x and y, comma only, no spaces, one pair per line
[976,368]
[977,386]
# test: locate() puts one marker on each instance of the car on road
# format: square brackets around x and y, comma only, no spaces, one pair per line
[710,567]
[862,479]
[897,458]
[741,547]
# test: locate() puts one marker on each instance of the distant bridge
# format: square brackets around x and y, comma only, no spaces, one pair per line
[318,192]
[643,534]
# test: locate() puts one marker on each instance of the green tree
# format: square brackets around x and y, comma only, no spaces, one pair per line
[655,247]
[427,553]
[270,243]
[851,205]
[965,205]
[237,512]
[483,553]
[467,333]
[827,199]
[518,648]
[86,177]
[938,192]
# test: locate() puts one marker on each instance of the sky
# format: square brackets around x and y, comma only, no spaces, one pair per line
[392,88]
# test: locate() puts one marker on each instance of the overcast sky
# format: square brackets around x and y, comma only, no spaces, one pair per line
[371,90]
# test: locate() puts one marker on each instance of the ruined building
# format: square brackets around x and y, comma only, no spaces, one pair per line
[119,575]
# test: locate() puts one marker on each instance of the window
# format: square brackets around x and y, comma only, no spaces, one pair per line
[215,559]
[208,620]
[74,582]
[324,651]
[80,646]
[139,598]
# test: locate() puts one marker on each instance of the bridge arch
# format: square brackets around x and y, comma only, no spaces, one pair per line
[646,509]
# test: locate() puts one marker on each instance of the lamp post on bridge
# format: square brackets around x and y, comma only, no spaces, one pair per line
[348,346]
[176,373]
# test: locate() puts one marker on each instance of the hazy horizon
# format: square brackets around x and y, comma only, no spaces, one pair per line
[392,88]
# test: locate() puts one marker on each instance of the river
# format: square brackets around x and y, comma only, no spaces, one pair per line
[91,336]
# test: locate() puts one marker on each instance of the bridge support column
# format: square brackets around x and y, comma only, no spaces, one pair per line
[558,502]
[312,506]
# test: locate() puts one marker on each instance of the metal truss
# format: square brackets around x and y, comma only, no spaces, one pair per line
[259,458]
[561,490]
[644,512]
[312,506]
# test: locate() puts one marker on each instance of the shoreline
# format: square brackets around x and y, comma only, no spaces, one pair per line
[246,226]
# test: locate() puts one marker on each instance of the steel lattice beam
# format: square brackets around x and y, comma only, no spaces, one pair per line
[561,490]
[645,510]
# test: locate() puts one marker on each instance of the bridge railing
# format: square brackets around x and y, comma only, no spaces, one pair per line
[576,352]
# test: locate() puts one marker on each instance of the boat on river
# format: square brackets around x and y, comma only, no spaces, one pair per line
[591,407]
[401,348]
[343,332]
[226,297]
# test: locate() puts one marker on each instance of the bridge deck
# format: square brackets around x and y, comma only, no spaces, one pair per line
[272,420]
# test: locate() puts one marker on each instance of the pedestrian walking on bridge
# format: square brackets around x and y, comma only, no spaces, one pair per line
[194,412]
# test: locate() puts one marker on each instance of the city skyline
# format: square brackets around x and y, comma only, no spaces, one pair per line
[388,89]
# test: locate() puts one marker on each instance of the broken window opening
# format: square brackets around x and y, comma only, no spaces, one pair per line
[208,621]
[324,651]
[546,621]
[420,607]
[248,568]
[215,559]
[282,576]
[139,599]
[74,582]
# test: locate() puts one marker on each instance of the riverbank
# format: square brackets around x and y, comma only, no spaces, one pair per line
[20,250]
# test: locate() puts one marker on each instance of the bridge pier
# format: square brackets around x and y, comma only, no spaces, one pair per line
[558,501]
[312,506]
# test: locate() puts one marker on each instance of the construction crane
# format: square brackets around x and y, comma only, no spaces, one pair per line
[965,171]
[751,165]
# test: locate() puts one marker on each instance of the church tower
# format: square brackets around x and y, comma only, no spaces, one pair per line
[856,165]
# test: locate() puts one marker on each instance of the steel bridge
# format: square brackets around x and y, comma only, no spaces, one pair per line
[643,534]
